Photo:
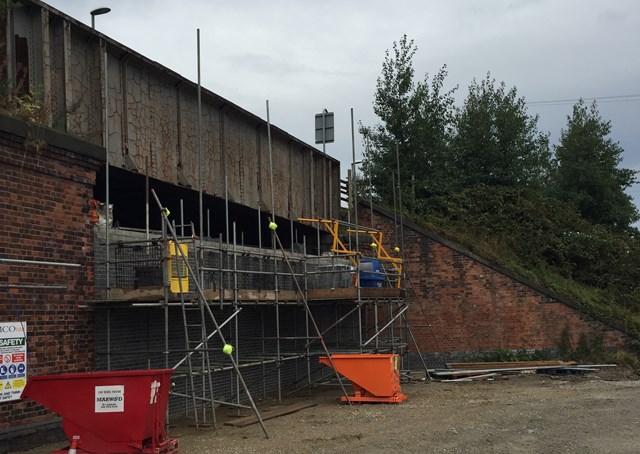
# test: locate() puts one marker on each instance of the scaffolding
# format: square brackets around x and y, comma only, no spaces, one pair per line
[305,305]
[219,282]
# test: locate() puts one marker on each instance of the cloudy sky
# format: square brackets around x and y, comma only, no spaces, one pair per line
[305,56]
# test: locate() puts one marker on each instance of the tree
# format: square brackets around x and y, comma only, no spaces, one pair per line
[416,117]
[496,142]
[587,174]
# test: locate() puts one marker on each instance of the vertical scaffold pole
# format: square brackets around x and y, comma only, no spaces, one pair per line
[210,312]
[355,220]
[275,259]
[303,297]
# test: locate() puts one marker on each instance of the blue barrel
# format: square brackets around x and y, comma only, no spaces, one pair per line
[371,273]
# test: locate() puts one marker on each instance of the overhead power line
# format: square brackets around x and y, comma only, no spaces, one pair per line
[600,99]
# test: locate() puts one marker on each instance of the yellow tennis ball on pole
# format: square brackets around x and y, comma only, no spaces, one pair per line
[227,349]
[374,245]
[273,225]
[397,249]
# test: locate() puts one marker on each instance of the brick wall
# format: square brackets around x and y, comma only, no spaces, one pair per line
[44,198]
[463,304]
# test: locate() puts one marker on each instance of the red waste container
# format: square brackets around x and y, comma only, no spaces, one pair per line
[109,412]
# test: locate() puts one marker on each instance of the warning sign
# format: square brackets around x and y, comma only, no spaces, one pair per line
[13,360]
[110,399]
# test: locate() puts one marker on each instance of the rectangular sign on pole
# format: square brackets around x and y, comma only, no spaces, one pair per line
[324,122]
[13,360]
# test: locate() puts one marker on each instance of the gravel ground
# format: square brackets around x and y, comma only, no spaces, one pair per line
[526,413]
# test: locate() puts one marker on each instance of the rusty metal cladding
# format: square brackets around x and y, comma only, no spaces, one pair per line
[152,114]
[318,176]
[334,191]
[84,112]
[122,113]
[56,74]
[241,160]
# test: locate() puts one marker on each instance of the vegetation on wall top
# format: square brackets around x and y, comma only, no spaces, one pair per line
[482,174]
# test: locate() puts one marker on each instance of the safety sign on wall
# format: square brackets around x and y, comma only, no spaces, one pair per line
[13,360]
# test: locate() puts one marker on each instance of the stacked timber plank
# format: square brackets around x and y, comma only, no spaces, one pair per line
[473,371]
[507,364]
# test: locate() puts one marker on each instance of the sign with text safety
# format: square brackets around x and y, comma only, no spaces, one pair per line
[13,360]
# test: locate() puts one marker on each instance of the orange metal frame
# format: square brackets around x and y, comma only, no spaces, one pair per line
[333,227]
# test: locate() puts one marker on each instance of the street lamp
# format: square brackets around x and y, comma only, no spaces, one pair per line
[97,12]
[94,13]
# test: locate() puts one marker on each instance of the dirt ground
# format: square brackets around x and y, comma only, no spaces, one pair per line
[526,413]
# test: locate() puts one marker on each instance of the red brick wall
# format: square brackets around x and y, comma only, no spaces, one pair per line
[43,215]
[473,306]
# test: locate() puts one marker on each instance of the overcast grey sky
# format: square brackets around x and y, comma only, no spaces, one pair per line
[304,56]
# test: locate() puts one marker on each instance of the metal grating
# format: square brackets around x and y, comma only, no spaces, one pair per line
[138,264]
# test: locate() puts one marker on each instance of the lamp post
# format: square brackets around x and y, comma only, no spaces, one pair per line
[94,13]
[97,12]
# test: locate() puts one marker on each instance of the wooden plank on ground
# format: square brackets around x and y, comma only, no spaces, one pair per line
[471,378]
[467,372]
[273,413]
[507,364]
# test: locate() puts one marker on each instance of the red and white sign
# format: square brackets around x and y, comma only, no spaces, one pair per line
[13,360]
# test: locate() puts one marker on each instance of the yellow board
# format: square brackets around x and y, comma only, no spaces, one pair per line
[178,271]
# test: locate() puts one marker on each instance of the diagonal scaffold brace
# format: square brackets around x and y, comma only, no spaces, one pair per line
[174,235]
[308,310]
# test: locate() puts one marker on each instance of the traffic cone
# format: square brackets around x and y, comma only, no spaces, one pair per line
[72,448]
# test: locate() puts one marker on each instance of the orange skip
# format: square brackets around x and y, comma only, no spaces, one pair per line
[374,377]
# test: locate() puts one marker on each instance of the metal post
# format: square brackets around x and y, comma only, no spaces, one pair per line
[40,262]
[208,224]
[370,197]
[109,339]
[291,226]
[200,165]
[350,202]
[181,217]
[275,260]
[262,343]
[390,332]
[165,279]
[259,231]
[235,307]
[106,173]
[226,211]
[324,164]
[146,197]
[400,209]
[395,216]
[355,220]
[221,286]
[306,319]
[375,321]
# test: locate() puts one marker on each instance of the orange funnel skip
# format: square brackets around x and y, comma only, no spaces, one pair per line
[374,377]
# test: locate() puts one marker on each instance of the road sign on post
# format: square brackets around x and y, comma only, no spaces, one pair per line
[324,127]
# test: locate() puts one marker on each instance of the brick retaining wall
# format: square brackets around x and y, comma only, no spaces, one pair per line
[472,305]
